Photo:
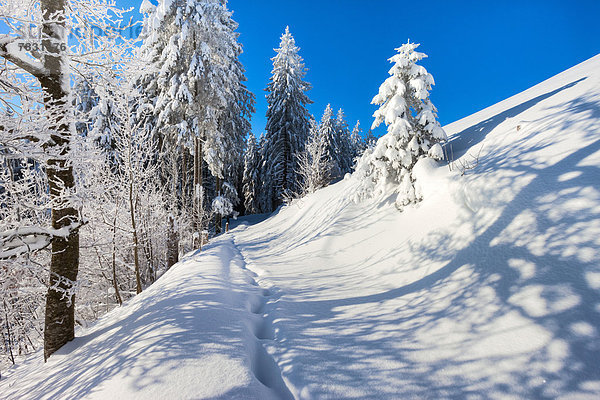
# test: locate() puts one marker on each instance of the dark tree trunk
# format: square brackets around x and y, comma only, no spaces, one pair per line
[136,246]
[114,257]
[198,195]
[218,217]
[60,310]
[172,243]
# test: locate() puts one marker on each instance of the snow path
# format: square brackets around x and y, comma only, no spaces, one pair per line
[198,333]
[264,366]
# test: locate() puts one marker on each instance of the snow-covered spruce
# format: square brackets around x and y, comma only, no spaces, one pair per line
[344,151]
[223,205]
[250,180]
[201,103]
[357,143]
[287,118]
[329,135]
[413,131]
[264,196]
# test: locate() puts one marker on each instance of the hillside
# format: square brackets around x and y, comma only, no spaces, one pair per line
[489,288]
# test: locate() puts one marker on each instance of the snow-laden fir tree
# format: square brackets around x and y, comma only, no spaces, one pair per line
[413,131]
[224,204]
[105,122]
[357,142]
[370,139]
[201,101]
[287,117]
[329,136]
[251,176]
[344,152]
[264,197]
[84,100]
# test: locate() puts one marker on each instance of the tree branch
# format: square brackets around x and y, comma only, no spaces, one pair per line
[9,51]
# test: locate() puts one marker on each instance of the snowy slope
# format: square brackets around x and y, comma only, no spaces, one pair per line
[490,288]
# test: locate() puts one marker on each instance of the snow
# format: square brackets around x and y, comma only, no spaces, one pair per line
[189,336]
[488,288]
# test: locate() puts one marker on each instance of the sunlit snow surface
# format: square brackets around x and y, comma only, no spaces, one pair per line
[489,288]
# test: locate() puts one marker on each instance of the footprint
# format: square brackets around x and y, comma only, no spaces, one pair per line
[256,304]
[264,329]
[261,327]
[267,372]
[251,281]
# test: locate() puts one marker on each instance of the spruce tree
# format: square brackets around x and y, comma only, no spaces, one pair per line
[357,143]
[344,150]
[251,176]
[287,117]
[413,131]
[198,92]
[264,196]
[330,138]
[370,139]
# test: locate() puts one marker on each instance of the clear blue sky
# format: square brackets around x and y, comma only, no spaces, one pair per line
[480,52]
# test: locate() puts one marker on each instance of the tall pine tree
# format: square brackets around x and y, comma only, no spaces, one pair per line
[357,142]
[251,176]
[344,150]
[287,117]
[198,92]
[330,138]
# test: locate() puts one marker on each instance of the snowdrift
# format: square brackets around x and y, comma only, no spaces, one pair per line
[489,288]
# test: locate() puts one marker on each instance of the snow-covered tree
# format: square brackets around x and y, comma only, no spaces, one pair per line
[370,139]
[287,117]
[39,47]
[314,164]
[84,99]
[357,142]
[24,201]
[223,205]
[345,154]
[201,102]
[413,131]
[264,198]
[251,176]
[330,138]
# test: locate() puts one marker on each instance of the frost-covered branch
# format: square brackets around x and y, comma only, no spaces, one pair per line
[9,50]
[23,240]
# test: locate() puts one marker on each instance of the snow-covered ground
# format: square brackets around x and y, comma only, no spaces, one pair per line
[489,288]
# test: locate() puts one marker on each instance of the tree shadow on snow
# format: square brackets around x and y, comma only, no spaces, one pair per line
[521,296]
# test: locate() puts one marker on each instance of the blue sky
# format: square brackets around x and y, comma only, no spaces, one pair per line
[480,52]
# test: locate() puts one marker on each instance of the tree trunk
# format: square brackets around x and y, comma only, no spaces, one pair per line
[114,256]
[8,335]
[198,195]
[60,309]
[218,217]
[172,243]
[136,252]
